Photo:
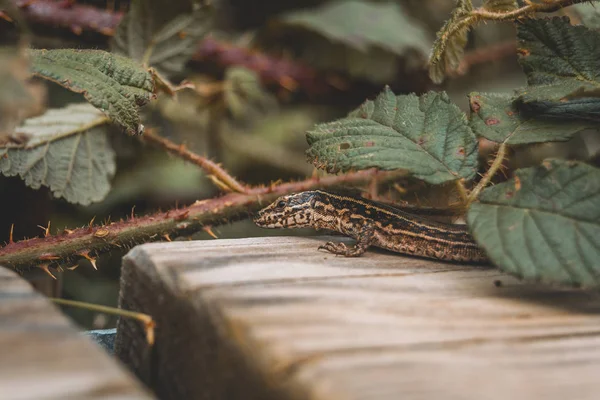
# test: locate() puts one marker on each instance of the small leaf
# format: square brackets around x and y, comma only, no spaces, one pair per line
[244,95]
[449,47]
[161,34]
[361,25]
[544,224]
[496,117]
[114,84]
[427,135]
[500,5]
[64,149]
[560,60]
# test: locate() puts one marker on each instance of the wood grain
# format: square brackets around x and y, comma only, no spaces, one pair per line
[268,318]
[43,356]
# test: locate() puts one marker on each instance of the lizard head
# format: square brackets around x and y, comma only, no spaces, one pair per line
[291,211]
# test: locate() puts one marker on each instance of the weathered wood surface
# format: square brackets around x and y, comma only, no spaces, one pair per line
[43,356]
[273,318]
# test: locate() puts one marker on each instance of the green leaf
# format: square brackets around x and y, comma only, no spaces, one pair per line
[449,47]
[114,84]
[361,25]
[161,33]
[495,117]
[65,149]
[560,60]
[544,224]
[427,135]
[500,5]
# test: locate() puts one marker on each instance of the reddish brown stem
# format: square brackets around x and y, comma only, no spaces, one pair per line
[207,165]
[72,245]
[488,54]
[76,17]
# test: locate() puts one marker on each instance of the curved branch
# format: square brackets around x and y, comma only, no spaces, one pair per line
[88,242]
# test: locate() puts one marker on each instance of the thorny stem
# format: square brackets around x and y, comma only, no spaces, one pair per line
[145,319]
[462,191]
[481,14]
[496,164]
[212,168]
[87,242]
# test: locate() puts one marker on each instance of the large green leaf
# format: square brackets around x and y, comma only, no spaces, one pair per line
[114,84]
[427,135]
[64,149]
[561,62]
[449,47]
[161,33]
[544,224]
[362,25]
[496,117]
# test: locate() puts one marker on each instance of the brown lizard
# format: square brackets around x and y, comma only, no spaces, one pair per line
[371,224]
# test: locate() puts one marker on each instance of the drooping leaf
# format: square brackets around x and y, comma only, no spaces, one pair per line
[500,5]
[449,47]
[65,149]
[15,99]
[589,14]
[496,117]
[427,135]
[561,61]
[162,34]
[244,95]
[544,224]
[114,84]
[362,25]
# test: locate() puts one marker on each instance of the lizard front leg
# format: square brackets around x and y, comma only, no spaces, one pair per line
[363,241]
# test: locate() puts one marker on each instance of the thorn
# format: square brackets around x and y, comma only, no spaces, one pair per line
[208,229]
[182,216]
[68,231]
[45,229]
[48,257]
[10,236]
[92,222]
[44,267]
[86,254]
[167,237]
[132,212]
[73,267]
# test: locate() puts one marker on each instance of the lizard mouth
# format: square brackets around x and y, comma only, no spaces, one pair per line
[262,220]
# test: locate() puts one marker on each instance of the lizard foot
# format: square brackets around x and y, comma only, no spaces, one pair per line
[342,250]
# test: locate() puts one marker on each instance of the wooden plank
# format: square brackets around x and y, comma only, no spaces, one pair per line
[43,356]
[267,318]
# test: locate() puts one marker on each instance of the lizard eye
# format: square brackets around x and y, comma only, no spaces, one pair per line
[281,204]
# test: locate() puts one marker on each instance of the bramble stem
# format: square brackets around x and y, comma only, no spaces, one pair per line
[89,241]
[496,164]
[207,165]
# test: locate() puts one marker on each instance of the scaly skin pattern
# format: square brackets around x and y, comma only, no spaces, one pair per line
[371,224]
